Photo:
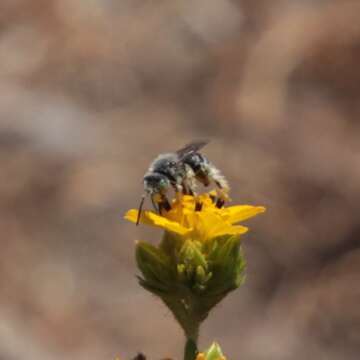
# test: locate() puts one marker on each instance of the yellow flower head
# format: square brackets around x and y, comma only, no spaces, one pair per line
[197,262]
[208,223]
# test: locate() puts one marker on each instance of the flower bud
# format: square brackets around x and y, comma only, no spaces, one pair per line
[213,353]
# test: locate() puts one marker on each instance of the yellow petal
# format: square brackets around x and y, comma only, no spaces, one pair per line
[150,218]
[237,213]
[202,225]
[210,225]
[231,230]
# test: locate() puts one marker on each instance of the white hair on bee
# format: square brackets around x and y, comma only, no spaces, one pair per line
[223,187]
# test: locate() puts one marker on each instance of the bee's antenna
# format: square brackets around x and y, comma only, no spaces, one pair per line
[140,209]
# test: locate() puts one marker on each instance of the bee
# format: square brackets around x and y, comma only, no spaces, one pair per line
[206,173]
[181,171]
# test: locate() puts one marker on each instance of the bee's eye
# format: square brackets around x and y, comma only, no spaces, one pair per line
[172,163]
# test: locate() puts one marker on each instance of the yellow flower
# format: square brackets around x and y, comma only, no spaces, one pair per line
[198,261]
[202,225]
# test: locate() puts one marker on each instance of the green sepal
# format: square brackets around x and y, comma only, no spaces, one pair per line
[155,267]
[227,264]
[190,276]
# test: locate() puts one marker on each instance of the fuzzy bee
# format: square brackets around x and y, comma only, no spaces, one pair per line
[181,171]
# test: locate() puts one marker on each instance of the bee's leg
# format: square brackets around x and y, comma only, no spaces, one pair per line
[155,205]
[190,180]
[222,191]
[190,191]
[220,203]
[164,204]
[190,184]
[185,189]
[213,198]
[198,205]
[179,191]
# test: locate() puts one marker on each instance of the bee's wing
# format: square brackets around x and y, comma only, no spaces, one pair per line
[190,148]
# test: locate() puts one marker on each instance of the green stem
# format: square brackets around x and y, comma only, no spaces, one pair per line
[186,312]
[191,349]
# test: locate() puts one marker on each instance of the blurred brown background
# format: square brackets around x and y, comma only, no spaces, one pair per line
[91,91]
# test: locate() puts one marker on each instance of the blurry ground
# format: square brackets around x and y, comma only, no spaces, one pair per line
[91,91]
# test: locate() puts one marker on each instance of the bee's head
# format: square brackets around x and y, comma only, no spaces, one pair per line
[166,164]
[155,183]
